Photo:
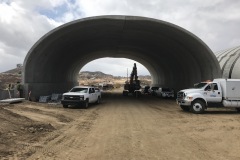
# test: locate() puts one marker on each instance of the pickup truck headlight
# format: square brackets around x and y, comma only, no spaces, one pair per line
[189,98]
[81,97]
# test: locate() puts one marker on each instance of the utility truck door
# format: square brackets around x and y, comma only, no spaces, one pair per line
[213,93]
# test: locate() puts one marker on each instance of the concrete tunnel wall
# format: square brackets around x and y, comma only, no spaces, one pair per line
[174,57]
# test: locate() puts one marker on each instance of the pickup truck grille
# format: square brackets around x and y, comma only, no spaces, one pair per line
[71,97]
[180,95]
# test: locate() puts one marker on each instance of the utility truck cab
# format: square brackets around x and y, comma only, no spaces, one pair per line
[218,93]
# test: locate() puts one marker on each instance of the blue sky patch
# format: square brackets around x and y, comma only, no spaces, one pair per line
[55,12]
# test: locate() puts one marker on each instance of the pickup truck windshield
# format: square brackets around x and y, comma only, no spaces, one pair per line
[200,85]
[80,90]
[154,88]
[166,90]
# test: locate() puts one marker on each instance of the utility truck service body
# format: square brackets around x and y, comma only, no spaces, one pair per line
[81,95]
[218,93]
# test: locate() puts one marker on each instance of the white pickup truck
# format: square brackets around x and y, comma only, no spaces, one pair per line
[219,93]
[165,92]
[81,95]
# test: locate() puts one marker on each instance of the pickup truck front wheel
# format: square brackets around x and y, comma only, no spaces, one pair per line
[197,106]
[85,104]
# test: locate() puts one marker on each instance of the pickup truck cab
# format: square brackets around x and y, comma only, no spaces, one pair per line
[219,93]
[153,90]
[81,95]
[165,92]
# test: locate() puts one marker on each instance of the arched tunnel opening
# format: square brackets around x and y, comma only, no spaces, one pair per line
[116,67]
[108,73]
[173,56]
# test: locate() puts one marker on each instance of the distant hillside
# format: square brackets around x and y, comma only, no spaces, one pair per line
[17,70]
[15,75]
[93,75]
[10,77]
[144,77]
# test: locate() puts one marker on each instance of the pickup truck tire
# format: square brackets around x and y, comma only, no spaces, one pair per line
[197,107]
[98,100]
[159,95]
[125,93]
[137,94]
[85,104]
[185,108]
[65,106]
[154,93]
[238,109]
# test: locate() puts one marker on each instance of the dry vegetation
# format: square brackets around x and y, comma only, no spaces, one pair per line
[99,78]
[9,78]
[117,82]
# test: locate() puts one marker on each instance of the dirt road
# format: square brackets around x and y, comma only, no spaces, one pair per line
[119,128]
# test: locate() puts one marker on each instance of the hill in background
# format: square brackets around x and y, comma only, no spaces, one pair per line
[93,75]
[84,78]
[15,71]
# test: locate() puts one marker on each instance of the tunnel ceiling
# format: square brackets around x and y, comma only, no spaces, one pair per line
[173,56]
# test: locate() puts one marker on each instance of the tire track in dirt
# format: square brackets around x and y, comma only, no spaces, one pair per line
[145,128]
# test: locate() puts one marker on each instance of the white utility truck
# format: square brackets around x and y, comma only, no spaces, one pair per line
[218,93]
[81,95]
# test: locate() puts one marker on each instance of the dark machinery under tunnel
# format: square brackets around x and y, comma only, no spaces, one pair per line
[174,57]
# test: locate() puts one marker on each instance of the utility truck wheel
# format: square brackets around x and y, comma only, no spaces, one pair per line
[185,108]
[238,109]
[85,104]
[197,107]
[65,106]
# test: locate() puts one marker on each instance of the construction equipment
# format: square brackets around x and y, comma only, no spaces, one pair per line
[133,86]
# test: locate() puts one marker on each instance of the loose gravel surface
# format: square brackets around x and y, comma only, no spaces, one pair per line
[120,128]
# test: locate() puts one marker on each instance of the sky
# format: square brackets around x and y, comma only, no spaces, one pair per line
[24,22]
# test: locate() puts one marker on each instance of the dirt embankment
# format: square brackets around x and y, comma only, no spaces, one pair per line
[119,128]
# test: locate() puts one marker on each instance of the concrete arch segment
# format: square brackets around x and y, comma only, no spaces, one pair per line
[174,56]
[229,61]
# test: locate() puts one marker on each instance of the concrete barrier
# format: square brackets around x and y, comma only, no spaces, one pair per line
[4,94]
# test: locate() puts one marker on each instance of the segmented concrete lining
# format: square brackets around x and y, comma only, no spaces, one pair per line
[229,61]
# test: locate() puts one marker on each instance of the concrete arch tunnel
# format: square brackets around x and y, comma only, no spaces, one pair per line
[173,56]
